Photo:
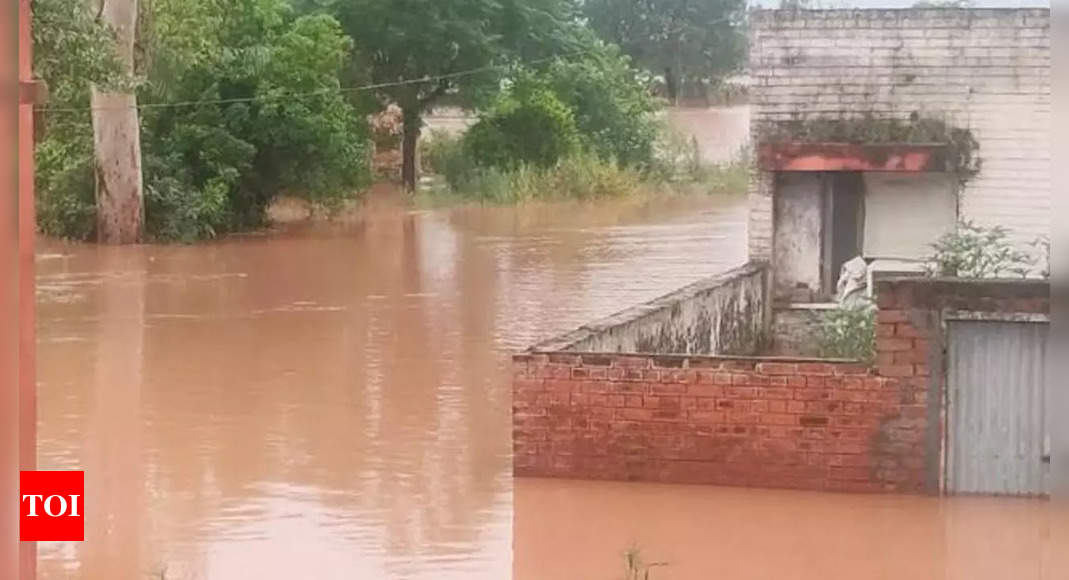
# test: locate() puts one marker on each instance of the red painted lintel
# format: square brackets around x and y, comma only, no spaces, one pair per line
[896,157]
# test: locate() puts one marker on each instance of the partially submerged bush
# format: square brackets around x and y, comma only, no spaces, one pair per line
[447,155]
[848,332]
[580,176]
[973,251]
[527,126]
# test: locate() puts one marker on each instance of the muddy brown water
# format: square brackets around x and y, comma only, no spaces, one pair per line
[331,400]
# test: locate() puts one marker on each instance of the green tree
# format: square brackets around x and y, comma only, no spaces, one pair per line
[254,110]
[72,51]
[685,40]
[613,108]
[270,117]
[421,50]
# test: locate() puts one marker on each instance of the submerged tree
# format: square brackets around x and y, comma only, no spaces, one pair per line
[684,40]
[117,136]
[418,51]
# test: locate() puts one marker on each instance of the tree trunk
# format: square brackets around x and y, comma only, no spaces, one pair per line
[671,86]
[117,138]
[410,149]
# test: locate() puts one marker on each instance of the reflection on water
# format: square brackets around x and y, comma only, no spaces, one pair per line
[331,400]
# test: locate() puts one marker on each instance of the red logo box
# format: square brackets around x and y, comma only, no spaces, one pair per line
[52,506]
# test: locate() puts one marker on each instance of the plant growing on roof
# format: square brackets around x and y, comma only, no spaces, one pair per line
[973,251]
[869,129]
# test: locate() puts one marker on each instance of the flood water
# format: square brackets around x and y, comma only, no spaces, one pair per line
[332,400]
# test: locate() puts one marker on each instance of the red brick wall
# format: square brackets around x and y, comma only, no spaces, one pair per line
[694,419]
[808,424]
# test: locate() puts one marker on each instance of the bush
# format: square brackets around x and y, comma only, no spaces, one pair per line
[973,251]
[848,333]
[527,126]
[446,155]
[215,168]
[613,108]
[64,183]
[580,176]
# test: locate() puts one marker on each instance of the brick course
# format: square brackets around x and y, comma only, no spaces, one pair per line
[822,425]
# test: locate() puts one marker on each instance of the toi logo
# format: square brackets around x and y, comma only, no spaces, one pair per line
[52,506]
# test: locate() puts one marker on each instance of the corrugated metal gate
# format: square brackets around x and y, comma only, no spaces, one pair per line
[998,441]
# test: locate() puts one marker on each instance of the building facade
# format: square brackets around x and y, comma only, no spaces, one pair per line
[879,130]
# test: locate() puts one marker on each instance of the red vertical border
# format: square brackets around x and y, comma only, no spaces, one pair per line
[26,294]
[9,394]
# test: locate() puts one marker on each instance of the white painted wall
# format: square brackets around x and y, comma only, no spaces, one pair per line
[797,243]
[906,213]
[987,70]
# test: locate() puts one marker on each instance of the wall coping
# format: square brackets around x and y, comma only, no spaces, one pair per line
[999,287]
[562,342]
[679,360]
[799,13]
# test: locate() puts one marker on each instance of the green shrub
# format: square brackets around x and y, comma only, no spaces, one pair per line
[447,156]
[527,126]
[973,251]
[64,184]
[613,108]
[215,168]
[580,176]
[848,333]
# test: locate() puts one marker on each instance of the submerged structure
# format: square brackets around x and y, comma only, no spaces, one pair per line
[877,132]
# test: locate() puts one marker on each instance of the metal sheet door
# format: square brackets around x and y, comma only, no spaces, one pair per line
[997,438]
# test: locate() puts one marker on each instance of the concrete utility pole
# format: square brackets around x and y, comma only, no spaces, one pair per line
[117,137]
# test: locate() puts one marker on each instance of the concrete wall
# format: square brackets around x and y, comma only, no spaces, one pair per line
[986,70]
[724,314]
[794,329]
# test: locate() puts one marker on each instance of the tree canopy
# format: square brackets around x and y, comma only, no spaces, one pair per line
[458,46]
[687,41]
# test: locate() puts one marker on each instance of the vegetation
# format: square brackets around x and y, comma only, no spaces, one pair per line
[848,332]
[578,176]
[243,101]
[582,175]
[262,115]
[973,251]
[283,126]
[634,566]
[689,43]
[611,102]
[423,50]
[527,126]
[71,53]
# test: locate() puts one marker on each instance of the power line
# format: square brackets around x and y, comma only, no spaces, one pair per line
[297,96]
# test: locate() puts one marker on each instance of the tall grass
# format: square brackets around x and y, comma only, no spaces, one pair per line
[580,176]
